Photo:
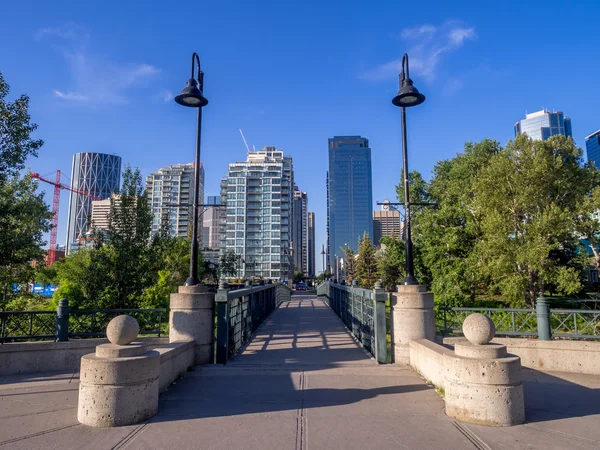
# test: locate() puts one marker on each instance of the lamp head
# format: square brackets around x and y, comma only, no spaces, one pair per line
[408,95]
[191,95]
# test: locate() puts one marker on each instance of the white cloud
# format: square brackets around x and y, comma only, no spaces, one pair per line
[426,46]
[70,96]
[166,95]
[94,80]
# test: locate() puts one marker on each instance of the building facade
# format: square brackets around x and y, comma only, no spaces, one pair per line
[170,192]
[350,200]
[386,223]
[311,245]
[212,220]
[592,148]
[258,194]
[300,231]
[97,174]
[543,124]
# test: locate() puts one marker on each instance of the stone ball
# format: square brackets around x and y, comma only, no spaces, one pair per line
[122,330]
[479,329]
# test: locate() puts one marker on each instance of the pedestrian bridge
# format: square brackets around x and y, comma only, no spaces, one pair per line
[302,382]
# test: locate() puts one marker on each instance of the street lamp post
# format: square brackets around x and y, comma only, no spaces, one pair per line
[193,97]
[323,255]
[408,96]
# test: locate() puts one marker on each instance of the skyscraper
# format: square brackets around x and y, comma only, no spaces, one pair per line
[311,244]
[170,192]
[98,174]
[386,223]
[258,195]
[592,148]
[350,199]
[300,231]
[543,124]
[212,220]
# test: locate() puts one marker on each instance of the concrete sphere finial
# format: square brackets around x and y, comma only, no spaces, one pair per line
[122,330]
[479,329]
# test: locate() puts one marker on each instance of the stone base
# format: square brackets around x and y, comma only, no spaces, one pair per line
[117,391]
[192,318]
[483,385]
[411,318]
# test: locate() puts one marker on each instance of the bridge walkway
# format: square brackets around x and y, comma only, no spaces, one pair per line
[302,383]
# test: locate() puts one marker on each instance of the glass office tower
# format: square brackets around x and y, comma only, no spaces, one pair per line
[543,124]
[350,200]
[592,148]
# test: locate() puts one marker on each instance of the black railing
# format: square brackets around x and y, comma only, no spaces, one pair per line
[363,313]
[241,312]
[63,324]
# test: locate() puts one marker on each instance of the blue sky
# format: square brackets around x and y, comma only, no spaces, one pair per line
[101,76]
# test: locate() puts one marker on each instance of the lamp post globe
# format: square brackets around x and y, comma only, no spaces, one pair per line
[408,96]
[192,96]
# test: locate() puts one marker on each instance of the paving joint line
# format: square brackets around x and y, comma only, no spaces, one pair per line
[471,436]
[131,436]
[40,433]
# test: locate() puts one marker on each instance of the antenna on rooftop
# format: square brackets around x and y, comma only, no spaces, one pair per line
[245,143]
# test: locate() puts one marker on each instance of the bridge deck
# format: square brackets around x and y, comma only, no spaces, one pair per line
[302,383]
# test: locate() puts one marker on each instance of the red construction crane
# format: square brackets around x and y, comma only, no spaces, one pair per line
[55,204]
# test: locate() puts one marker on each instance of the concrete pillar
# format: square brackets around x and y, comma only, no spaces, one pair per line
[192,318]
[543,319]
[119,383]
[483,383]
[411,318]
[379,322]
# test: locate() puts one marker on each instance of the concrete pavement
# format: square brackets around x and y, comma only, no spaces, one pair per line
[302,383]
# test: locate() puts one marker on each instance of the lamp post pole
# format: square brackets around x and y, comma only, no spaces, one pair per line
[192,96]
[323,255]
[408,96]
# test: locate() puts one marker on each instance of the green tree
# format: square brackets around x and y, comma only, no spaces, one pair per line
[448,233]
[587,222]
[391,264]
[298,276]
[366,263]
[24,217]
[16,143]
[526,198]
[228,264]
[350,264]
[129,233]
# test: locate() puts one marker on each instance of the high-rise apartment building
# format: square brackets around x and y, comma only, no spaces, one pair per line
[100,218]
[543,124]
[258,194]
[170,192]
[300,231]
[592,148]
[386,223]
[350,200]
[212,221]
[311,245]
[98,174]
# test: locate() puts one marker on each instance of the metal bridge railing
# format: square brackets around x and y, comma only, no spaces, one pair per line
[542,322]
[65,323]
[363,313]
[241,312]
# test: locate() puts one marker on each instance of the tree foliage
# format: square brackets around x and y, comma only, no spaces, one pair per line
[366,263]
[24,216]
[350,264]
[228,264]
[391,263]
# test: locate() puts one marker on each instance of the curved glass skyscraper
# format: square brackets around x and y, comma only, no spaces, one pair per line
[97,174]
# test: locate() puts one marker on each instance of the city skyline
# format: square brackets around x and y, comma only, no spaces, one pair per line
[108,82]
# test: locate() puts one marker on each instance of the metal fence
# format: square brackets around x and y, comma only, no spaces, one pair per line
[363,313]
[567,323]
[241,312]
[64,323]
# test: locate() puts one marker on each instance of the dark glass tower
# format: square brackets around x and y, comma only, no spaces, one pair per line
[350,201]
[592,148]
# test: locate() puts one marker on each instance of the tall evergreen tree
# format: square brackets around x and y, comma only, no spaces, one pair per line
[366,263]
